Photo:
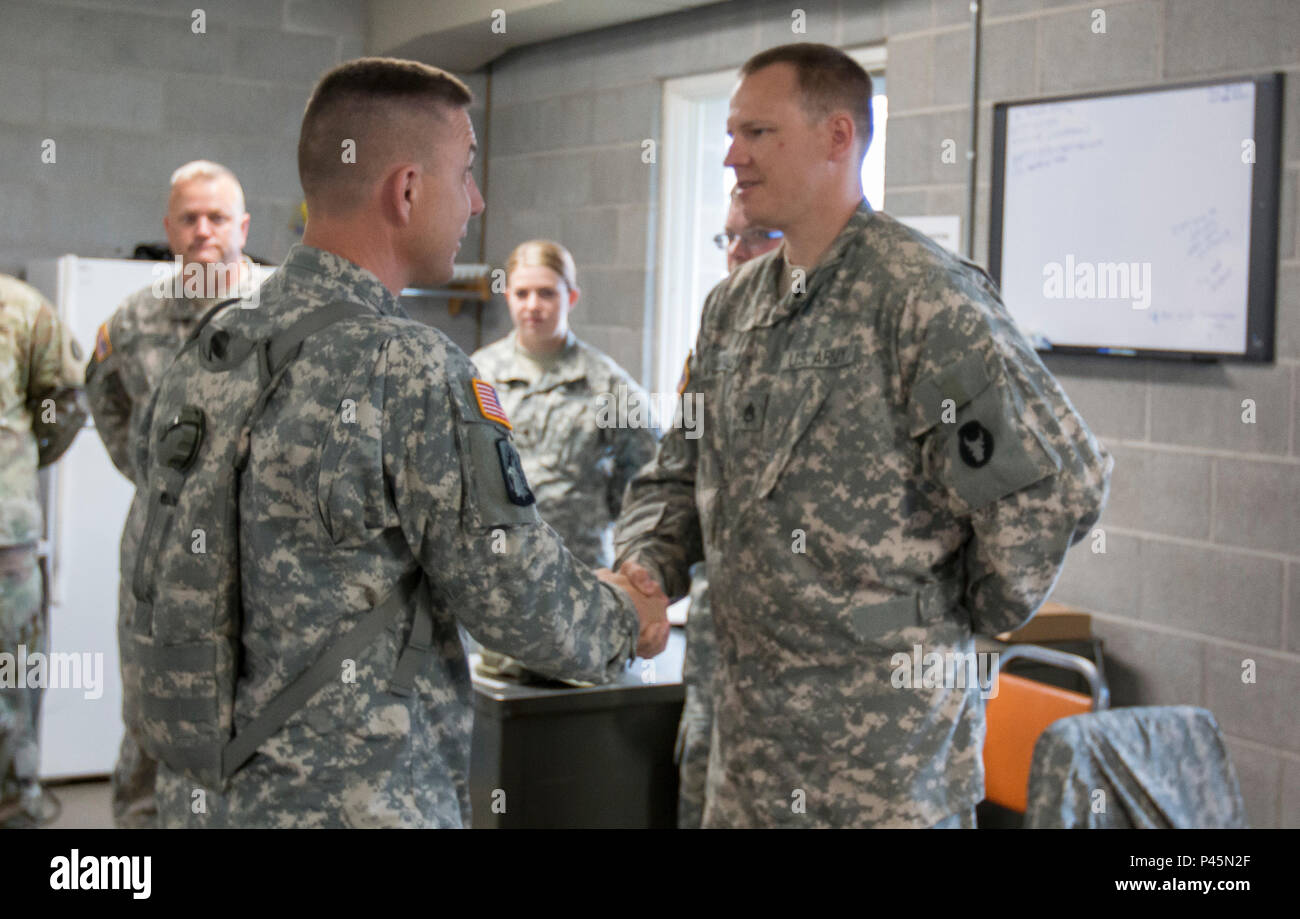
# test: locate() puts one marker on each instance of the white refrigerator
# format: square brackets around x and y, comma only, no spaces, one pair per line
[86,502]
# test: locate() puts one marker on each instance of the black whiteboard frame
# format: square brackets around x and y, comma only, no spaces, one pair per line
[1265,184]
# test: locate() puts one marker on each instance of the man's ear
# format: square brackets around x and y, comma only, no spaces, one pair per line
[842,134]
[402,190]
[244,223]
[574,294]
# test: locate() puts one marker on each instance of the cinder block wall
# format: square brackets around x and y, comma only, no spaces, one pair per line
[1202,565]
[128,92]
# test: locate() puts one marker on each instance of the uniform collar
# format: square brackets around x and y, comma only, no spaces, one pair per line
[564,366]
[766,306]
[338,278]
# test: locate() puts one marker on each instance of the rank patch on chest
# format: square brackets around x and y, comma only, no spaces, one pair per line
[975,444]
[488,404]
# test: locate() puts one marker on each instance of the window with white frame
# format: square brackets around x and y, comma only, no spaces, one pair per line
[694,193]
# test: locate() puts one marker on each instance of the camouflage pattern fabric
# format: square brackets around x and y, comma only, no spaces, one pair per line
[369,461]
[577,469]
[1148,767]
[38,358]
[22,623]
[132,349]
[696,726]
[885,463]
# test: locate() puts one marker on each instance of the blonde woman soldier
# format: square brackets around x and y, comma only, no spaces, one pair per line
[562,397]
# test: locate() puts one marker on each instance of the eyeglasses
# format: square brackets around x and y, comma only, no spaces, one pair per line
[750,238]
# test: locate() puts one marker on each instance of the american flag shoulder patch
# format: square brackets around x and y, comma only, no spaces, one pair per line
[103,347]
[685,379]
[488,403]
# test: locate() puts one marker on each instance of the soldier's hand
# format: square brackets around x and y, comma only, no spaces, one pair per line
[651,605]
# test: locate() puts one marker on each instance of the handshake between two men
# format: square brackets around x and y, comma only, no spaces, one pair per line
[650,601]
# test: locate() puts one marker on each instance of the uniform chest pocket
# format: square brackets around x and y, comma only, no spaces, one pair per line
[573,440]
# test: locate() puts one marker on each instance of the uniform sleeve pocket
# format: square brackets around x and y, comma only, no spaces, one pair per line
[992,451]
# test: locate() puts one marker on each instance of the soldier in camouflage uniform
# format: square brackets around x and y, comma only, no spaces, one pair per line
[206,225]
[553,387]
[885,463]
[742,242]
[38,361]
[338,507]
[562,397]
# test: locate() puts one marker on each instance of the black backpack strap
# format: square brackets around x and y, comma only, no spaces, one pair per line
[283,345]
[326,668]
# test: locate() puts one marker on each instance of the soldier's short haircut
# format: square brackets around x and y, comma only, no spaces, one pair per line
[829,80]
[386,107]
[206,169]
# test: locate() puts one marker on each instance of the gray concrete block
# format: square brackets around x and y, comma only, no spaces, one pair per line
[106,224]
[513,129]
[1293,607]
[1159,492]
[1259,775]
[1255,505]
[1007,52]
[1290,816]
[861,22]
[218,106]
[1288,311]
[1295,412]
[914,151]
[566,122]
[1209,36]
[44,34]
[21,150]
[260,13]
[328,17]
[1291,118]
[1263,711]
[947,200]
[591,234]
[1201,406]
[24,216]
[615,297]
[629,113]
[283,58]
[776,22]
[1107,582]
[354,46]
[1074,57]
[951,68]
[902,16]
[618,176]
[1289,207]
[566,180]
[23,99]
[1212,591]
[106,100]
[155,44]
[614,340]
[995,9]
[911,203]
[634,237]
[1146,667]
[625,57]
[952,12]
[911,73]
[1111,395]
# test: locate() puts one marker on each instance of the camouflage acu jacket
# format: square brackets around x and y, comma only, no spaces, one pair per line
[38,358]
[373,459]
[885,464]
[578,468]
[132,349]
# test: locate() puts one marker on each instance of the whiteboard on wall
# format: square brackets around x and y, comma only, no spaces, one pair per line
[1139,222]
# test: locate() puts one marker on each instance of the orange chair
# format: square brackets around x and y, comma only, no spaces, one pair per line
[1020,711]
